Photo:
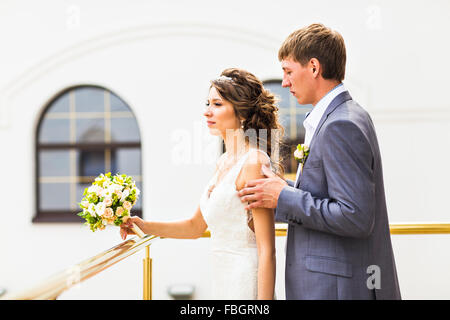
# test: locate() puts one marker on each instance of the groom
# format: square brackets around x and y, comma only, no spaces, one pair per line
[338,243]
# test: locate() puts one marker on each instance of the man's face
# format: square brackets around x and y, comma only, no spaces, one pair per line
[298,79]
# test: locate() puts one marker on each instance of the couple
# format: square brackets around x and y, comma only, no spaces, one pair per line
[338,242]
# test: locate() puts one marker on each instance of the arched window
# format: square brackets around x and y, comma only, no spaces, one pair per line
[83,132]
[292,115]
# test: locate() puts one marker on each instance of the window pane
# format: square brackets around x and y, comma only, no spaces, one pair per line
[91,163]
[54,163]
[79,191]
[292,115]
[285,96]
[124,130]
[286,123]
[78,117]
[289,108]
[90,130]
[54,196]
[89,100]
[138,204]
[301,127]
[118,104]
[61,104]
[128,161]
[280,92]
[54,131]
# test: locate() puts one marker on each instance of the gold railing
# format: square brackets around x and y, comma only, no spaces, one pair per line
[395,228]
[51,288]
[401,228]
[420,228]
[62,281]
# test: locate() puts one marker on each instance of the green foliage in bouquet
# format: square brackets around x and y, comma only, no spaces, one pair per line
[108,200]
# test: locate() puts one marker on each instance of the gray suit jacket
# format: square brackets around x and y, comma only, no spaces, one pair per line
[338,243]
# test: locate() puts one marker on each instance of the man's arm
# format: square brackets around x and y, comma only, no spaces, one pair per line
[277,218]
[350,209]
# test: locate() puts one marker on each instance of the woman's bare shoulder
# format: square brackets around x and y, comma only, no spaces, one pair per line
[252,167]
[256,158]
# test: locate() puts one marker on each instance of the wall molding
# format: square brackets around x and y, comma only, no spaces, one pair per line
[136,34]
[122,37]
[420,115]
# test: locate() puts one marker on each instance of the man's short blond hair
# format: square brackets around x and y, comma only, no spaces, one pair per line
[320,42]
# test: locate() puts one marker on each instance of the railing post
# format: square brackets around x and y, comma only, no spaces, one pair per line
[147,275]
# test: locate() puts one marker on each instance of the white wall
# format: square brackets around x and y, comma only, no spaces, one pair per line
[159,56]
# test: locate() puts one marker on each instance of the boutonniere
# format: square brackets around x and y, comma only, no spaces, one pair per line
[301,153]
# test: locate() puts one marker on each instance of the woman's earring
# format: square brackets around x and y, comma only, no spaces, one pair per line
[242,124]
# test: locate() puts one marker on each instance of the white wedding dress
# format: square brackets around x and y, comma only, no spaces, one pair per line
[234,255]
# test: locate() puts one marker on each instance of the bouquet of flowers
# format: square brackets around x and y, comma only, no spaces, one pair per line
[109,201]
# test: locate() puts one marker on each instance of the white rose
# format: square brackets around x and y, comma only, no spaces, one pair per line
[100,208]
[107,192]
[298,154]
[108,201]
[119,211]
[116,187]
[91,209]
[109,213]
[127,205]
[101,193]
[111,189]
[93,189]
[125,194]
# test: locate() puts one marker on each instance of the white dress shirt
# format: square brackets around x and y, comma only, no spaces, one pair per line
[312,120]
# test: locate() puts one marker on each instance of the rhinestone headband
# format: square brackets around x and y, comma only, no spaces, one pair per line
[223,78]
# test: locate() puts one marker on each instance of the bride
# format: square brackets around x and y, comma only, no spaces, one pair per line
[244,114]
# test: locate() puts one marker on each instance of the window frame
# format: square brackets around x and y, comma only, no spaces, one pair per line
[288,142]
[70,216]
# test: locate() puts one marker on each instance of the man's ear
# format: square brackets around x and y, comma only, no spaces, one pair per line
[315,67]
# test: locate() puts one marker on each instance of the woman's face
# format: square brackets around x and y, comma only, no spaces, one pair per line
[219,114]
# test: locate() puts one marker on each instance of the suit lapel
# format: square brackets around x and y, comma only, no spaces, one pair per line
[336,102]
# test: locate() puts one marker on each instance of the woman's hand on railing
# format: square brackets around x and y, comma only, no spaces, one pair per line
[126,228]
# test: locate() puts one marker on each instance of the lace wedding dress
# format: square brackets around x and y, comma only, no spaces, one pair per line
[233,244]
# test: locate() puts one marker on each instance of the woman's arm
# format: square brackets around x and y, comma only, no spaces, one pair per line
[192,228]
[264,227]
